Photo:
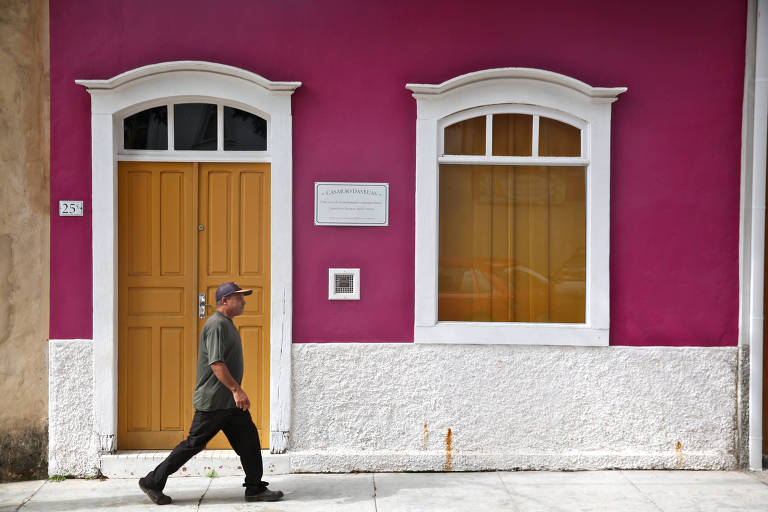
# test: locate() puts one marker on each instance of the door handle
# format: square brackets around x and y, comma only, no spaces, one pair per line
[201,305]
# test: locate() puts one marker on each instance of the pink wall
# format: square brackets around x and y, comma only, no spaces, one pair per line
[675,152]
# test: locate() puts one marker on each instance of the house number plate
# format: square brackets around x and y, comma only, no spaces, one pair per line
[70,208]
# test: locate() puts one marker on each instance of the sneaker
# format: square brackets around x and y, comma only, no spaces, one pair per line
[157,497]
[262,495]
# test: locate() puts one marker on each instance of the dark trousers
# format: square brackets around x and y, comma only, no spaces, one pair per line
[236,424]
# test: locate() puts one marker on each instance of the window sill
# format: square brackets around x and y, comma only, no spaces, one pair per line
[507,333]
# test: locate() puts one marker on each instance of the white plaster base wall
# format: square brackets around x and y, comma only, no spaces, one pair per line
[389,407]
[72,444]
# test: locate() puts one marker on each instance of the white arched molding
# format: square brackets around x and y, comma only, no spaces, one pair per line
[110,101]
[514,90]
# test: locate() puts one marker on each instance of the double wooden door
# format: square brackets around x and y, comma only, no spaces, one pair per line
[185,228]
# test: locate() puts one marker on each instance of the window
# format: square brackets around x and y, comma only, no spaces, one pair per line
[244,131]
[147,129]
[512,202]
[194,127]
[520,228]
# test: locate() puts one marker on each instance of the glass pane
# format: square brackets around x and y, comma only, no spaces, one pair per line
[512,135]
[244,131]
[558,139]
[194,126]
[512,244]
[147,129]
[466,137]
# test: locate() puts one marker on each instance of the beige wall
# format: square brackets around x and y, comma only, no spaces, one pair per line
[24,236]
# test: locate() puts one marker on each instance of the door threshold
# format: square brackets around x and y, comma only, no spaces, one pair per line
[137,463]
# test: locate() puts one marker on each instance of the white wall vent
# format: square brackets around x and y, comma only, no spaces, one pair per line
[343,284]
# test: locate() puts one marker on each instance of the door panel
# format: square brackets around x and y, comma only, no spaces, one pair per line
[157,338]
[163,261]
[171,379]
[234,246]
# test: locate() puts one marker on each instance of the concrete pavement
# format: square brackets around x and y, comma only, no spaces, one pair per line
[530,491]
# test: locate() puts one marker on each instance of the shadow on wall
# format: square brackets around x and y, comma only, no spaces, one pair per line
[24,454]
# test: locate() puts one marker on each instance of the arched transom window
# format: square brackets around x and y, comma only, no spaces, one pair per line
[194,126]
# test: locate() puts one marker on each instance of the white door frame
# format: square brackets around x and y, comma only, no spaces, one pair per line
[110,99]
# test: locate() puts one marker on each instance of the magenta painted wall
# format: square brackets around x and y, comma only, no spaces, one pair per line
[675,144]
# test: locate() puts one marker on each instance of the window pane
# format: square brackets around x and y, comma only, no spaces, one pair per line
[512,244]
[466,137]
[558,139]
[147,129]
[194,126]
[244,131]
[512,134]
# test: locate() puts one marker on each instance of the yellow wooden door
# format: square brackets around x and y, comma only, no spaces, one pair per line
[234,246]
[165,261]
[156,302]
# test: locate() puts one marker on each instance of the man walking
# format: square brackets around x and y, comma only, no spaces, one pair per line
[220,403]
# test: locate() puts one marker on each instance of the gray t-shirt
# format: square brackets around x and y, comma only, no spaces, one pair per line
[219,341]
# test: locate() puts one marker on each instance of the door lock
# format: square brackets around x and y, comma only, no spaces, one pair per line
[201,305]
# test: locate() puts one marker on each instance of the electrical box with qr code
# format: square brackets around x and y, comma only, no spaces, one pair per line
[343,284]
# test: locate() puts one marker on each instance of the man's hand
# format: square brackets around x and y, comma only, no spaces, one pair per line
[222,373]
[241,399]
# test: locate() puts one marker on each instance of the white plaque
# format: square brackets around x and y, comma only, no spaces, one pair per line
[70,208]
[351,204]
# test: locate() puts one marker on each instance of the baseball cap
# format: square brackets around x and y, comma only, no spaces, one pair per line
[227,289]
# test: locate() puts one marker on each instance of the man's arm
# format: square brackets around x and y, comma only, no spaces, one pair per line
[221,372]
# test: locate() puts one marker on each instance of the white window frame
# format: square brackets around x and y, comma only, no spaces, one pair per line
[179,82]
[513,90]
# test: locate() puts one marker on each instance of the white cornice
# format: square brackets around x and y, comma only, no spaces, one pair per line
[597,94]
[188,65]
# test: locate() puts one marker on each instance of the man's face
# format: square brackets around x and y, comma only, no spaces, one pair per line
[235,304]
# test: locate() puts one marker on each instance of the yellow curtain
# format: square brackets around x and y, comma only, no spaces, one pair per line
[512,238]
[466,137]
[512,134]
[512,244]
[558,139]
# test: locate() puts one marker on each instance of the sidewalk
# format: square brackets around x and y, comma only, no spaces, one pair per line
[530,491]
